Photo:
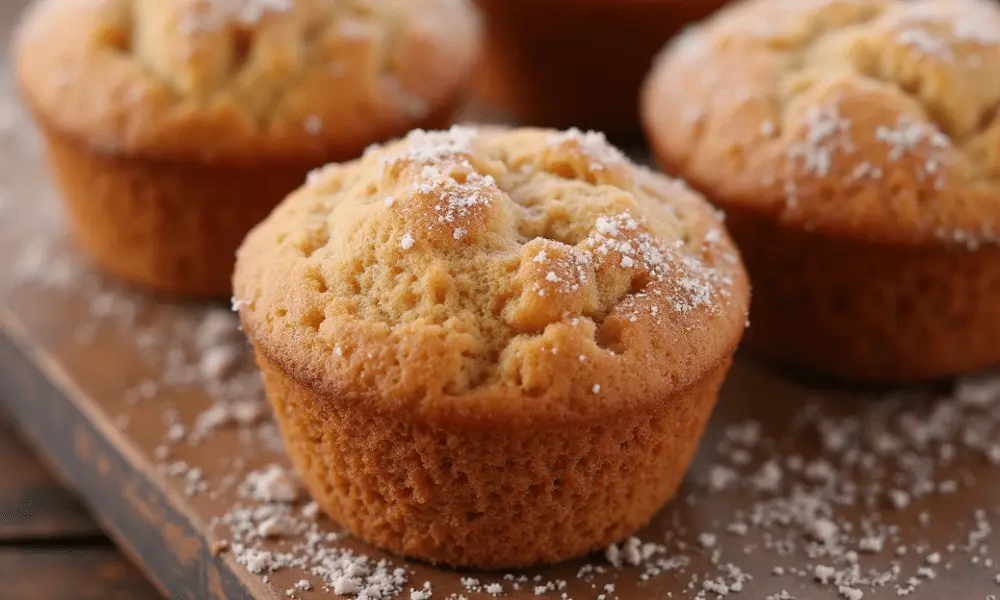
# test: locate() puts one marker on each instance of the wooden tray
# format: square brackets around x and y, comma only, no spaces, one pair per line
[153,412]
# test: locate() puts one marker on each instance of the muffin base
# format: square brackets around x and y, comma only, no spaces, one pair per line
[488,497]
[563,63]
[172,226]
[867,311]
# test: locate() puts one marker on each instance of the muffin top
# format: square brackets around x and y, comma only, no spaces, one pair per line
[493,275]
[242,80]
[875,119]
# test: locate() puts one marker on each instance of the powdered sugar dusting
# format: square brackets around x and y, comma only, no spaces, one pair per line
[826,134]
[594,144]
[681,279]
[213,14]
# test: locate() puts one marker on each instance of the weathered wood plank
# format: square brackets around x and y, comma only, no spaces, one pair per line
[110,477]
[33,505]
[58,573]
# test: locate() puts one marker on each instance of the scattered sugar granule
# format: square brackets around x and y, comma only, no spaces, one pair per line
[422,594]
[824,574]
[345,586]
[494,589]
[721,477]
[632,551]
[256,561]
[310,511]
[899,499]
[271,484]
[707,540]
[871,544]
[849,593]
[769,477]
[406,242]
[823,530]
[596,389]
[613,555]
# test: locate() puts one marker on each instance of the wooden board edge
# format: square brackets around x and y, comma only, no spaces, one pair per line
[141,519]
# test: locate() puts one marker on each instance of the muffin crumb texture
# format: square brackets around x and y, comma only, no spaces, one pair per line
[463,262]
[871,117]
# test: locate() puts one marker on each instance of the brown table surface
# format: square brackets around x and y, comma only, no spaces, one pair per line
[50,548]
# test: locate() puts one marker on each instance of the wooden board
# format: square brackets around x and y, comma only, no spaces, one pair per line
[153,412]
[48,544]
[33,506]
[81,573]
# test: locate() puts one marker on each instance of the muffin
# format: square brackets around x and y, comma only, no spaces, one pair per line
[855,149]
[564,63]
[173,127]
[491,348]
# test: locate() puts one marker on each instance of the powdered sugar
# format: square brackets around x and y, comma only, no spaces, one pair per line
[826,134]
[594,144]
[213,14]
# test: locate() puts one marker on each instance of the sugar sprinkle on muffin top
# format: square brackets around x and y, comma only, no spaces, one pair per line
[242,80]
[873,117]
[478,262]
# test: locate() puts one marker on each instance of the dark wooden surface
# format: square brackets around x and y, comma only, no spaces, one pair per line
[50,548]
[56,572]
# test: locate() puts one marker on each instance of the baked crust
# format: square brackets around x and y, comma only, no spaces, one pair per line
[492,348]
[497,497]
[242,81]
[870,119]
[855,148]
[493,276]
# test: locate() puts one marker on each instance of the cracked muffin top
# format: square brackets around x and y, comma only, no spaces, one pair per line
[242,80]
[875,119]
[493,275]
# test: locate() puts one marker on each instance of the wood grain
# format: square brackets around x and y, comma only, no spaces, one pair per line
[58,573]
[33,506]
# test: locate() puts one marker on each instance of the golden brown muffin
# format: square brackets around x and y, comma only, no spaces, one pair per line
[855,148]
[492,348]
[577,63]
[175,126]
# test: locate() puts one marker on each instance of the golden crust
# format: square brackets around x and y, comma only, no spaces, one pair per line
[871,119]
[513,495]
[242,81]
[494,277]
